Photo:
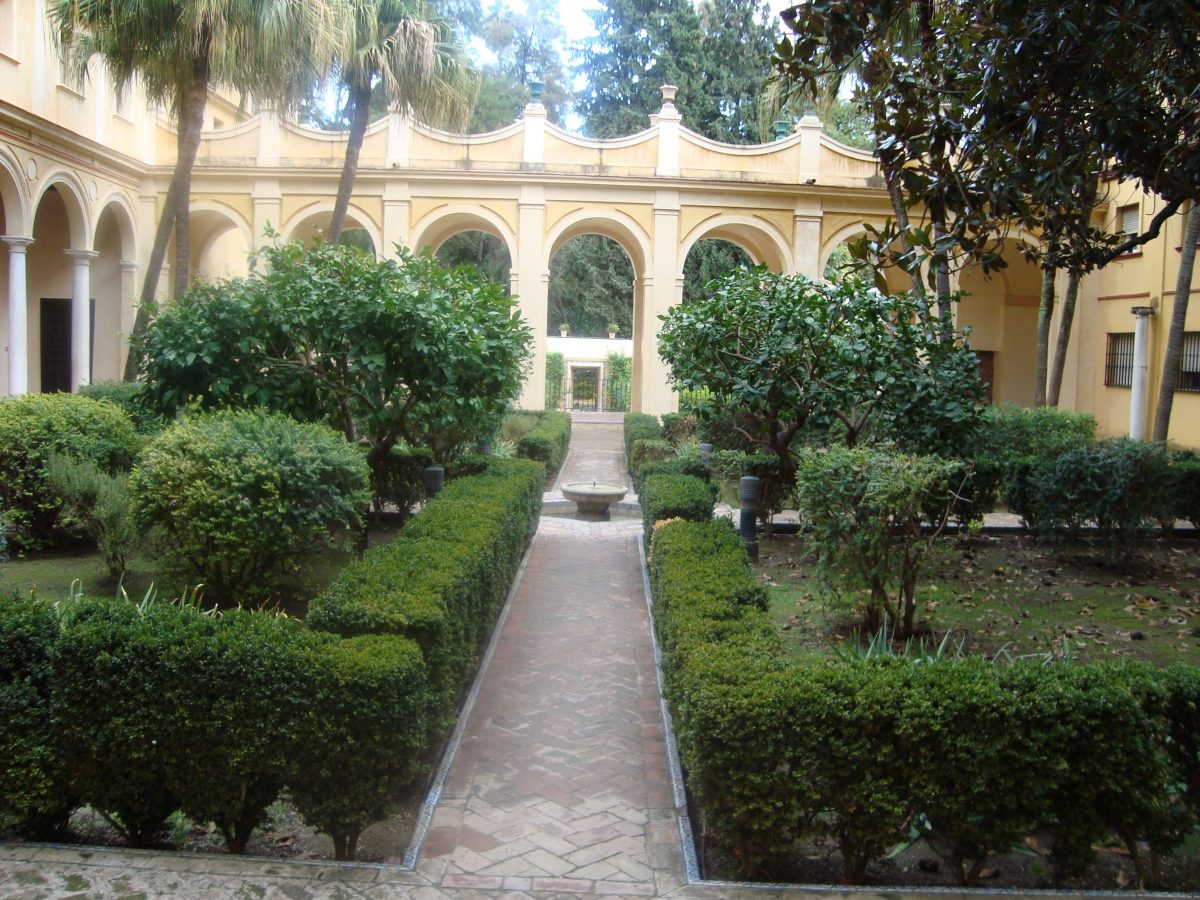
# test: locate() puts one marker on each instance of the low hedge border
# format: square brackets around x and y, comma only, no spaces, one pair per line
[107,702]
[676,497]
[852,753]
[547,442]
[639,427]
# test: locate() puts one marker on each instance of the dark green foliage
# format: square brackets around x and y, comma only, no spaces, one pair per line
[443,581]
[36,425]
[1119,486]
[648,451]
[678,428]
[639,427]
[36,796]
[484,251]
[673,465]
[776,483]
[725,429]
[130,396]
[365,735]
[981,754]
[384,350]
[101,502]
[397,480]
[547,442]
[676,497]
[555,373]
[864,509]
[241,494]
[709,260]
[1185,486]
[617,382]
[591,285]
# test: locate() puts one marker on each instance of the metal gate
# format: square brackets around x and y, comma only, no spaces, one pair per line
[584,389]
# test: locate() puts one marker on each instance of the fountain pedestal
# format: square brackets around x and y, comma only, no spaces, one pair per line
[594,499]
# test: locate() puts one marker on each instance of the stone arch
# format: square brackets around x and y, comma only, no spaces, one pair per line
[221,241]
[438,226]
[18,215]
[836,240]
[113,285]
[73,195]
[611,224]
[303,224]
[760,239]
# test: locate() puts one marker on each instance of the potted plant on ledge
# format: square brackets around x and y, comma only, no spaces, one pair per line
[612,330]
[564,328]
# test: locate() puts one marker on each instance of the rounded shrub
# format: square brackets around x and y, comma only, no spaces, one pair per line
[242,494]
[33,427]
[130,396]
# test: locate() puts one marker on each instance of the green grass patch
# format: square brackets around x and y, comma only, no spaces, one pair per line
[1009,595]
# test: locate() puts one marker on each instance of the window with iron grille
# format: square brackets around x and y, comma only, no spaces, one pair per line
[1189,363]
[1118,360]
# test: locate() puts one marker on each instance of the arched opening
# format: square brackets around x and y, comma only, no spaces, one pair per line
[357,231]
[589,325]
[480,249]
[709,259]
[840,266]
[220,245]
[111,288]
[1001,310]
[50,285]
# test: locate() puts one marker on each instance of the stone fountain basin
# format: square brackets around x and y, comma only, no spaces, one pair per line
[594,497]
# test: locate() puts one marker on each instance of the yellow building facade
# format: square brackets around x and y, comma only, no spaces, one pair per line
[84,174]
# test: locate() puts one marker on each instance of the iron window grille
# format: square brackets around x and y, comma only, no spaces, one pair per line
[1189,363]
[1118,360]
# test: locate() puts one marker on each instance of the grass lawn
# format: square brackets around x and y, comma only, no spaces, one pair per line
[1010,594]
[52,573]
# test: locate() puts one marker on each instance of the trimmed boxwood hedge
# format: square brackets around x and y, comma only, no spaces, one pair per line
[676,497]
[853,753]
[547,441]
[34,426]
[639,427]
[142,709]
[443,580]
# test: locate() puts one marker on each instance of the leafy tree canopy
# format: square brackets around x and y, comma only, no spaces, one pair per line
[384,350]
[800,354]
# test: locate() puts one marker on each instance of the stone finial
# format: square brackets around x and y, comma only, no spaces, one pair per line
[536,89]
[668,94]
[780,127]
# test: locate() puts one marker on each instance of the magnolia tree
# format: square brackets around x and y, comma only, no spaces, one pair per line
[793,354]
[386,351]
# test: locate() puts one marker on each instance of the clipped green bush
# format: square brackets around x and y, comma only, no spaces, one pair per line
[978,754]
[678,428]
[36,425]
[36,795]
[674,465]
[647,451]
[864,509]
[676,497]
[639,427]
[129,395]
[1184,486]
[241,495]
[1008,432]
[547,441]
[101,502]
[443,581]
[364,736]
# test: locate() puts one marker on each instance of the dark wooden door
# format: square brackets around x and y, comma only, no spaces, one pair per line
[56,345]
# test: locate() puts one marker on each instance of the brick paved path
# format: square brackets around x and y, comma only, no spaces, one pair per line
[561,783]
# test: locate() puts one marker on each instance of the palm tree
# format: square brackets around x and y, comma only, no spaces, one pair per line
[177,50]
[402,48]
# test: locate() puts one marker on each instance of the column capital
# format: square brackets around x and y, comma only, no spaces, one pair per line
[1143,312]
[16,243]
[82,257]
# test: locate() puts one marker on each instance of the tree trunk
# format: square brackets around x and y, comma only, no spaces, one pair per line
[941,280]
[1054,389]
[191,119]
[1183,287]
[900,211]
[1042,351]
[360,111]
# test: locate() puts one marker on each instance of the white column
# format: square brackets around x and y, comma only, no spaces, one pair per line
[533,288]
[81,317]
[266,205]
[661,292]
[397,217]
[18,306]
[129,287]
[1141,372]
[668,121]
[533,121]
